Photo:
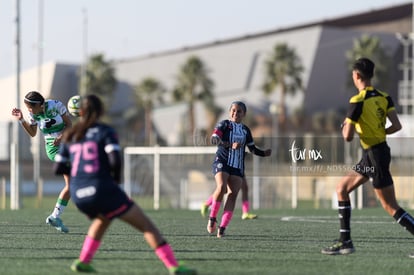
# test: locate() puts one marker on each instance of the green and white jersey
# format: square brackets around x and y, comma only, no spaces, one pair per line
[50,123]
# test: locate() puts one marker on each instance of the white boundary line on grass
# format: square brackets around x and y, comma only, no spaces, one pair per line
[324,219]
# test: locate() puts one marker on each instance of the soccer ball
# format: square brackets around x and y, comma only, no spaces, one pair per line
[74,104]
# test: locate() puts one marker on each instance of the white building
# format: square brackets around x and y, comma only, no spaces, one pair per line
[236,67]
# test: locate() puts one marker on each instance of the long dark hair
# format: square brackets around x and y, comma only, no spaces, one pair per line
[91,110]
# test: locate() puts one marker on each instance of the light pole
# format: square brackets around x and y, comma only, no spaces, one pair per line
[84,51]
[274,111]
[36,139]
[412,52]
[15,150]
[405,87]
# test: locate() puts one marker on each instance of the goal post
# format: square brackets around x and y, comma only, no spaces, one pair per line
[156,152]
[181,176]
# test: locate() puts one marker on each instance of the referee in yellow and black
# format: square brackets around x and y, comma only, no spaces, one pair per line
[367,115]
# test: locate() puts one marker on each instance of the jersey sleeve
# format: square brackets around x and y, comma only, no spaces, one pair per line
[112,149]
[220,128]
[61,107]
[249,137]
[32,121]
[250,144]
[354,111]
[111,141]
[390,104]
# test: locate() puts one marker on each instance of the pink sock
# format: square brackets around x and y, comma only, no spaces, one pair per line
[89,248]
[209,201]
[245,206]
[166,255]
[215,208]
[226,218]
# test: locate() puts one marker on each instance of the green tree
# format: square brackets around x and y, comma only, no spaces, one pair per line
[99,79]
[149,92]
[213,112]
[283,72]
[193,84]
[370,47]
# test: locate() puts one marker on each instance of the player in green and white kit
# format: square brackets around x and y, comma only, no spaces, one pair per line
[51,117]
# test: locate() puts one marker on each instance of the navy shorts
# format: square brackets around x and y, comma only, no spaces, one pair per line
[219,166]
[105,199]
[375,164]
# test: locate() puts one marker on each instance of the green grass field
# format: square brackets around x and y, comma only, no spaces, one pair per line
[278,242]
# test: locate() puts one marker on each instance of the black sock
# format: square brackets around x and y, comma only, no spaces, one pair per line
[344,210]
[405,220]
[163,242]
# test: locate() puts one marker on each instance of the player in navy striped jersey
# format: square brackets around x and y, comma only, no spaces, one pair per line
[231,137]
[90,153]
[51,117]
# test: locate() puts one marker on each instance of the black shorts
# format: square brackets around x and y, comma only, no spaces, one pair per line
[105,199]
[219,166]
[375,164]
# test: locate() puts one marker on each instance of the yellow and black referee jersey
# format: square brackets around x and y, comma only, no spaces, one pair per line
[368,112]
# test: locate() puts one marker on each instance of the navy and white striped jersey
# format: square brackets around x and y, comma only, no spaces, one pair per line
[230,132]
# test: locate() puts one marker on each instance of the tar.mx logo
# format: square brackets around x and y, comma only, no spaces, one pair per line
[303,154]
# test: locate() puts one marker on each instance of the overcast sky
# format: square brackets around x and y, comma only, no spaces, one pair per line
[73,29]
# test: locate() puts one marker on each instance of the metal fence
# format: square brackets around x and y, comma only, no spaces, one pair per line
[302,172]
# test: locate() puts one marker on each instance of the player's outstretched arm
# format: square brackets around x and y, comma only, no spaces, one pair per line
[395,123]
[259,152]
[30,129]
